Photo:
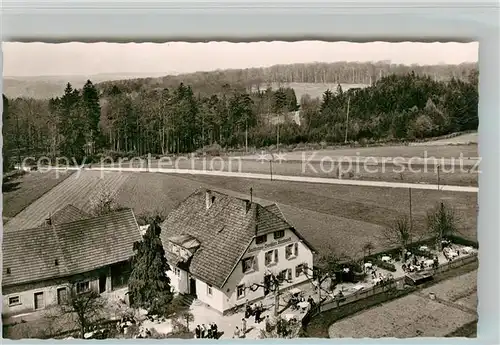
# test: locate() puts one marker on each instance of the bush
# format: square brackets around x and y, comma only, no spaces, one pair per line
[418,252]
[463,242]
[213,150]
[386,265]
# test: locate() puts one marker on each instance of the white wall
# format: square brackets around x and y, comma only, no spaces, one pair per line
[258,251]
[216,300]
[180,282]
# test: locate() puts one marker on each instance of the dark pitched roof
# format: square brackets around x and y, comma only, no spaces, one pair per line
[274,208]
[79,246]
[224,231]
[68,213]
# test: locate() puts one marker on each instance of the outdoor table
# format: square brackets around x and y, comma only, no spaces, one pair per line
[358,287]
[424,248]
[303,305]
[368,265]
[467,250]
[429,262]
[346,270]
[386,258]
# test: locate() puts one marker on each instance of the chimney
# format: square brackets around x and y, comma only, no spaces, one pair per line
[248,203]
[48,220]
[209,199]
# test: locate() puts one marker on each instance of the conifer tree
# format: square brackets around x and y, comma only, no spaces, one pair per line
[149,285]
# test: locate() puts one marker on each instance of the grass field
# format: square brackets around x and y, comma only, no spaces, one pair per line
[372,205]
[424,150]
[390,173]
[77,189]
[463,139]
[22,190]
[407,317]
[332,217]
[461,290]
[413,315]
[308,163]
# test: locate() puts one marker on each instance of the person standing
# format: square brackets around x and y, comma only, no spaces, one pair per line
[197,332]
[258,310]
[203,331]
[247,309]
[215,331]
[268,324]
[244,325]
[236,333]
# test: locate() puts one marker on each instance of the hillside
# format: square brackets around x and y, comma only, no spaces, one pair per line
[45,87]
[312,78]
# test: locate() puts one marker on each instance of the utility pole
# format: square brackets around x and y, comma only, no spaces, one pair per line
[438,168]
[278,135]
[18,144]
[411,216]
[271,165]
[347,118]
[319,289]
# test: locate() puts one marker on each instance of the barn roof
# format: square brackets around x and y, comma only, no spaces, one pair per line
[59,250]
[68,213]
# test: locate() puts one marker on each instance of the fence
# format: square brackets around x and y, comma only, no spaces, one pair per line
[379,289]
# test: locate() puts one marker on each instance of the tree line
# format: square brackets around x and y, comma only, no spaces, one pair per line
[87,122]
[251,79]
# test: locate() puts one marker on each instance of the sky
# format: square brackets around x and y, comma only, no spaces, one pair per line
[44,59]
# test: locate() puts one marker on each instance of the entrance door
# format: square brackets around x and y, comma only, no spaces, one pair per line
[192,286]
[61,295]
[39,302]
[102,284]
[267,284]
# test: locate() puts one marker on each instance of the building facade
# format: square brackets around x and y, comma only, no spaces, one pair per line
[226,250]
[90,253]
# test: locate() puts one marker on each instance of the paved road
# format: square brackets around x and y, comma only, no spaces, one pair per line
[304,157]
[292,178]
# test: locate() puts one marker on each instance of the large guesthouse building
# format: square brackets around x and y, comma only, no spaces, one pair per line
[225,250]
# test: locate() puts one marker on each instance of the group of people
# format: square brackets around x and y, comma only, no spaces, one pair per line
[295,300]
[254,310]
[449,253]
[210,332]
[413,265]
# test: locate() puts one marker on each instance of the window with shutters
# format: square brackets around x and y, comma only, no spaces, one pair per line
[301,269]
[271,257]
[240,291]
[260,239]
[285,275]
[248,264]
[292,251]
[279,234]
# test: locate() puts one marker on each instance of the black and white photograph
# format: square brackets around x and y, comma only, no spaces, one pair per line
[221,190]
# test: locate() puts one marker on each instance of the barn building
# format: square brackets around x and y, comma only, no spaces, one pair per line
[70,249]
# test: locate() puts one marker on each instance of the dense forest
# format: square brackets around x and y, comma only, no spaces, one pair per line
[250,79]
[137,117]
